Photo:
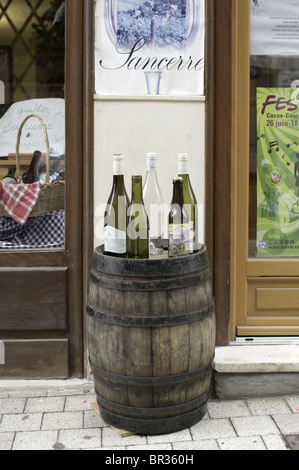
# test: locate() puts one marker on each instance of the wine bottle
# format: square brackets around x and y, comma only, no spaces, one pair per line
[115,221]
[53,172]
[190,201]
[10,177]
[154,205]
[180,235]
[32,175]
[138,224]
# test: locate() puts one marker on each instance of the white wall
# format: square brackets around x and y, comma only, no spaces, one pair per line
[136,125]
[133,127]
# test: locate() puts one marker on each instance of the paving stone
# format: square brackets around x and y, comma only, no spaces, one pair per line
[93,420]
[44,404]
[292,441]
[111,436]
[212,429]
[164,446]
[73,439]
[242,443]
[204,444]
[268,406]
[66,420]
[77,403]
[21,422]
[254,425]
[288,424]
[6,440]
[274,442]
[227,409]
[35,440]
[293,404]
[114,448]
[183,435]
[12,405]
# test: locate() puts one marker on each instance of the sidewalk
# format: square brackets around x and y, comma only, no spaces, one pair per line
[57,415]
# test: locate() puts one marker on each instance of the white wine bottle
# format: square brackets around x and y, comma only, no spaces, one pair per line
[154,205]
[138,224]
[115,221]
[190,201]
[180,235]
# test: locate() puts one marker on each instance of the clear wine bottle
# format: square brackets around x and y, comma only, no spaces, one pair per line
[154,205]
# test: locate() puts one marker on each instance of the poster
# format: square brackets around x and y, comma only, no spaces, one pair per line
[149,47]
[50,110]
[277,172]
[274,27]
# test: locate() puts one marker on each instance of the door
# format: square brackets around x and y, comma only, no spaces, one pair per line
[264,248]
[42,281]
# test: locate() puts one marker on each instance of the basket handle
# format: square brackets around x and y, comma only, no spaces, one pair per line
[47,146]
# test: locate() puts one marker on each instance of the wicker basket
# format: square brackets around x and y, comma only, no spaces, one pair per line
[52,195]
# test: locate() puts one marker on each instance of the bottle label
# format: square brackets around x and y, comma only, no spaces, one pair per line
[180,239]
[114,240]
[9,180]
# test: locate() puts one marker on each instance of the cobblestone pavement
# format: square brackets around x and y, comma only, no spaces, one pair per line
[62,418]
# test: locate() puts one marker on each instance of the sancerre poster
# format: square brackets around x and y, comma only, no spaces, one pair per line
[149,47]
[277,172]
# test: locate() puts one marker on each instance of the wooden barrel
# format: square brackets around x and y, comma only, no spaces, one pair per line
[151,340]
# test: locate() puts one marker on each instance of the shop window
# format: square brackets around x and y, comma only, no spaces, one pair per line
[32,118]
[274,129]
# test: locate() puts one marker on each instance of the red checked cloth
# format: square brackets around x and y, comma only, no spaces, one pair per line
[18,200]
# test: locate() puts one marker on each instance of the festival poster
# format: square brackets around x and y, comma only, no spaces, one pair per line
[149,47]
[277,172]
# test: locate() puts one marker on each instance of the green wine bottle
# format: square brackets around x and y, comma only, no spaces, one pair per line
[138,224]
[190,201]
[180,235]
[115,222]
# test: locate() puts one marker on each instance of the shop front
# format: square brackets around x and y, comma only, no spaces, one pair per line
[81,81]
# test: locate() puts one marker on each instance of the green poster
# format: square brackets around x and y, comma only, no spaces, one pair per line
[277,172]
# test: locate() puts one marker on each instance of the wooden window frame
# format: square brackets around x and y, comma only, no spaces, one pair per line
[79,143]
[218,157]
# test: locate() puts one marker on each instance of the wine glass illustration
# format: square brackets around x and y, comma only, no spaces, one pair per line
[161,26]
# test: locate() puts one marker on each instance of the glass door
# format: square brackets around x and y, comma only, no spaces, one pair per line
[265,170]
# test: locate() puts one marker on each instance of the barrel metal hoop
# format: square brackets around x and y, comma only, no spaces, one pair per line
[152,321]
[150,381]
[167,412]
[128,283]
[169,266]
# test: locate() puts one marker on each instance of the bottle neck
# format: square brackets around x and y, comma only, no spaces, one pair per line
[137,190]
[183,167]
[151,165]
[178,193]
[118,179]
[32,175]
[118,167]
[11,172]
